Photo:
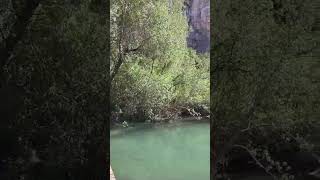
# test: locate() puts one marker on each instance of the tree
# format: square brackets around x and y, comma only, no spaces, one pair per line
[261,54]
[145,28]
[61,70]
[151,66]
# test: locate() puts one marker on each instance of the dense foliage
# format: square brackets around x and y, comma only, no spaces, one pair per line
[264,87]
[55,87]
[55,79]
[152,67]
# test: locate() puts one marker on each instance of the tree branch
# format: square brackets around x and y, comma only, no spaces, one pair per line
[256,160]
[127,51]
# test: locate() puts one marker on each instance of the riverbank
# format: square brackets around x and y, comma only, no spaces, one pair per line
[165,115]
[191,119]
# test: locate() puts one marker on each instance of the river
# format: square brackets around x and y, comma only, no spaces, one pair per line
[171,151]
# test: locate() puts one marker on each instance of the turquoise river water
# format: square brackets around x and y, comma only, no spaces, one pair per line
[175,151]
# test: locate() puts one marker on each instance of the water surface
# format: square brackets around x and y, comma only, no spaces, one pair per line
[178,151]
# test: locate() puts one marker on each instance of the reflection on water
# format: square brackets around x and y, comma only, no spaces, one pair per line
[178,151]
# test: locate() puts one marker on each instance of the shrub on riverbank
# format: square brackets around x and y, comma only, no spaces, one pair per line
[143,93]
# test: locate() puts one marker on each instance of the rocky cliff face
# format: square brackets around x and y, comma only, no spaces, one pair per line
[198,14]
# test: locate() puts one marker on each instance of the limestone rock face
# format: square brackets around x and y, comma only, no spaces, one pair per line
[198,15]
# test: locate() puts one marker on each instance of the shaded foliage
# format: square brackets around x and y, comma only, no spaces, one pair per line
[263,88]
[59,71]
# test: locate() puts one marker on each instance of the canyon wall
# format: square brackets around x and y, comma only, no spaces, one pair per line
[198,15]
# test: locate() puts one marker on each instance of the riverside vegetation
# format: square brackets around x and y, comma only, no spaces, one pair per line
[56,66]
[155,76]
